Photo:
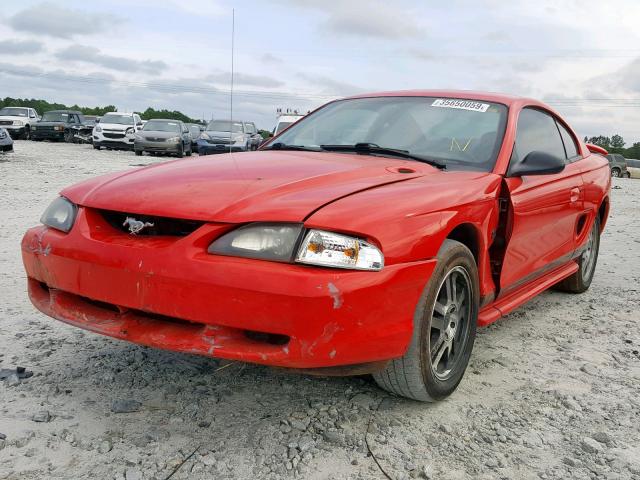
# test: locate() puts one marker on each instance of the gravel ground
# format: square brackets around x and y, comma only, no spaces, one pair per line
[552,390]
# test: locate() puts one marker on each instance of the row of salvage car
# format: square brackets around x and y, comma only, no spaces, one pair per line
[127,131]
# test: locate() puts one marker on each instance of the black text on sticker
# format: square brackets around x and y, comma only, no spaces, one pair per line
[462,104]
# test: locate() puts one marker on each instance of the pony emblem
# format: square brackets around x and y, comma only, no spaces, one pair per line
[136,226]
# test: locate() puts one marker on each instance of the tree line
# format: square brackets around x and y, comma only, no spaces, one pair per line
[615,144]
[42,106]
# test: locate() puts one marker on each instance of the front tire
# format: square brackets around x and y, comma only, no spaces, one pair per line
[180,153]
[444,330]
[27,133]
[138,153]
[68,136]
[580,281]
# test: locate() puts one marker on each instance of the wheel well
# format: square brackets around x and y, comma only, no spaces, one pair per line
[603,212]
[467,235]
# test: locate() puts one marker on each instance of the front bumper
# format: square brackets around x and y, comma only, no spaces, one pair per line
[47,134]
[124,142]
[167,292]
[206,148]
[6,145]
[14,130]
[160,147]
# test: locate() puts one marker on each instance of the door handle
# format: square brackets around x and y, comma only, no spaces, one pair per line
[575,195]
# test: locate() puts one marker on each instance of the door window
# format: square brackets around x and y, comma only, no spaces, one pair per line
[537,131]
[569,143]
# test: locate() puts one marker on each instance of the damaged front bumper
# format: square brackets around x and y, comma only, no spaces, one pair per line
[168,292]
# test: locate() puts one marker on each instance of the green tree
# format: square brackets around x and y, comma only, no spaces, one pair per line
[633,151]
[601,141]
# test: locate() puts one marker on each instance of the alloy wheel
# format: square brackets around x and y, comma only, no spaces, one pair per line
[450,322]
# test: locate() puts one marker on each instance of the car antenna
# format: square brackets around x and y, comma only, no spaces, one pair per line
[233,28]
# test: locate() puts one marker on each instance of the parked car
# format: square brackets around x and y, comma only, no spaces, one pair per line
[82,133]
[18,121]
[217,137]
[373,236]
[165,137]
[255,139]
[195,129]
[633,167]
[116,131]
[618,165]
[285,120]
[57,125]
[6,142]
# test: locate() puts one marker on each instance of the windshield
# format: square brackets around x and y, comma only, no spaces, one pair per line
[55,117]
[461,134]
[282,126]
[117,119]
[14,112]
[161,126]
[223,126]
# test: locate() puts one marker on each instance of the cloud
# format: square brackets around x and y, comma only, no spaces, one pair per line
[81,53]
[245,79]
[329,85]
[364,18]
[269,58]
[57,21]
[17,47]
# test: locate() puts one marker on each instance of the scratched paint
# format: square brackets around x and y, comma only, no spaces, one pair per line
[336,295]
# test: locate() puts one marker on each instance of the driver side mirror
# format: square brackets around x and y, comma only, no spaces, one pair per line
[537,163]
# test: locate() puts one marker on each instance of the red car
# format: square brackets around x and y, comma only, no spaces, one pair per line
[372,236]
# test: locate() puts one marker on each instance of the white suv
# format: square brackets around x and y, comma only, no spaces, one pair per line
[18,121]
[116,130]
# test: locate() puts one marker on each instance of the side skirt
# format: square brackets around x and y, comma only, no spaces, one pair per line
[505,305]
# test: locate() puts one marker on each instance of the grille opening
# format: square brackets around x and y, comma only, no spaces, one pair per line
[270,338]
[152,226]
[104,305]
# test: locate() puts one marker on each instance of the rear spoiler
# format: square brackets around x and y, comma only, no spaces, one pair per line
[596,149]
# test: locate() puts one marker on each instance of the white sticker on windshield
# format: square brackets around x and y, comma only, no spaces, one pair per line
[462,104]
[172,124]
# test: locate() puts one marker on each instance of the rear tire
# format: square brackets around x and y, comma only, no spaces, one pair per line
[138,153]
[97,147]
[189,152]
[445,320]
[615,172]
[580,281]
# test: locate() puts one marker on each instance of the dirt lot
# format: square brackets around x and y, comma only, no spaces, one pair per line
[552,392]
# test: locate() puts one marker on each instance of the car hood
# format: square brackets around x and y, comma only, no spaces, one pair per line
[13,118]
[218,134]
[251,186]
[114,126]
[158,134]
[50,124]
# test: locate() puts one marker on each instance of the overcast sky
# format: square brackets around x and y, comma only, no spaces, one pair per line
[581,56]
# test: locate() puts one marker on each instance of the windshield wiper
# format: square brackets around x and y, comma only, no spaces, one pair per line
[284,146]
[368,148]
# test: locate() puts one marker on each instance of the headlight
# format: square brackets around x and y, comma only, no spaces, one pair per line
[173,139]
[60,214]
[58,127]
[329,249]
[98,128]
[18,122]
[265,241]
[238,139]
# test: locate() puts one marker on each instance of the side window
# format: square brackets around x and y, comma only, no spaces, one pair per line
[569,143]
[72,119]
[537,131]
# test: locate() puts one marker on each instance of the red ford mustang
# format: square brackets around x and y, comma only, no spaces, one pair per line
[372,236]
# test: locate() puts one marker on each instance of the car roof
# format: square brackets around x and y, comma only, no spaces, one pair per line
[64,111]
[121,113]
[164,120]
[462,94]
